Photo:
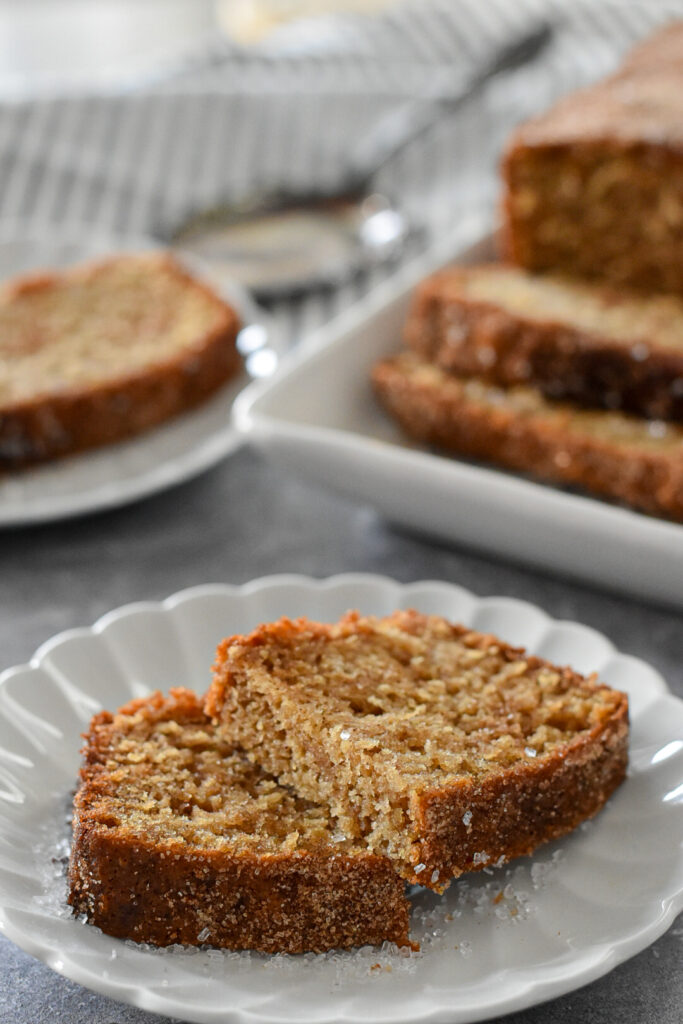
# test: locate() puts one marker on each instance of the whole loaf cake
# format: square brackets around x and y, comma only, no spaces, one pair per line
[594,186]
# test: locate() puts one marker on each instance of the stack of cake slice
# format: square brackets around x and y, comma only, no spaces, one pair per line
[328,766]
[572,382]
[569,363]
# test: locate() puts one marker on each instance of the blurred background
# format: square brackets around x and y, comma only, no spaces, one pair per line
[134,116]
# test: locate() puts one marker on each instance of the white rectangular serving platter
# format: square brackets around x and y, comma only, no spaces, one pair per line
[318,418]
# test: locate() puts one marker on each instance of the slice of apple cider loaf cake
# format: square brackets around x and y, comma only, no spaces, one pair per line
[444,749]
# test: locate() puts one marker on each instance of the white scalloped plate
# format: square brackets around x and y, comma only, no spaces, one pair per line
[176,451]
[566,916]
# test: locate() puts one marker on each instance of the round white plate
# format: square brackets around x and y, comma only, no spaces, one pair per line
[170,454]
[495,942]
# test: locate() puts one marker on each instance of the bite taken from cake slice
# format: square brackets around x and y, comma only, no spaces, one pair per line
[179,839]
[443,749]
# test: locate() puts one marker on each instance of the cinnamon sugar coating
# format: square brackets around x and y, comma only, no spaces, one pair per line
[592,343]
[178,838]
[441,748]
[610,454]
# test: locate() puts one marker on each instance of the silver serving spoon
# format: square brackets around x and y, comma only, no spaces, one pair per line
[285,243]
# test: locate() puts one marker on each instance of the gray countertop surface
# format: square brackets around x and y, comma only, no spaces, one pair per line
[245,519]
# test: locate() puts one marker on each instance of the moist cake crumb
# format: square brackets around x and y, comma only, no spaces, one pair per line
[179,839]
[440,718]
[594,187]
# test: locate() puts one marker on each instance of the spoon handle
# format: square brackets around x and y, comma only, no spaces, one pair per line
[401,126]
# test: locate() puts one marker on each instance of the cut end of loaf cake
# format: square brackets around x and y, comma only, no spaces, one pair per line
[178,838]
[594,186]
[443,749]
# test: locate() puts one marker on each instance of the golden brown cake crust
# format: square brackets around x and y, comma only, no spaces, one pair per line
[525,807]
[434,407]
[503,801]
[67,419]
[165,892]
[595,186]
[485,338]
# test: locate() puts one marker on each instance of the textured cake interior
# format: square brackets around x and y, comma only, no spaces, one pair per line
[598,215]
[617,428]
[90,323]
[595,186]
[369,714]
[161,774]
[600,311]
[179,839]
